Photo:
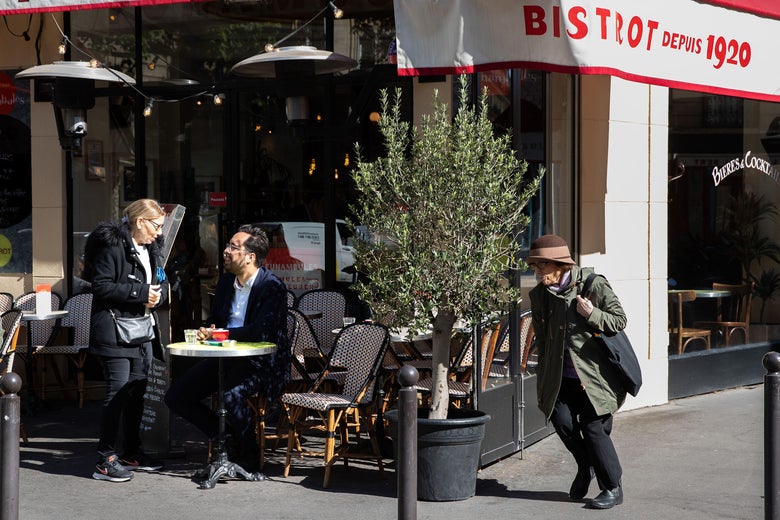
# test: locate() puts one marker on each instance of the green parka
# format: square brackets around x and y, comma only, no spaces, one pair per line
[557,323]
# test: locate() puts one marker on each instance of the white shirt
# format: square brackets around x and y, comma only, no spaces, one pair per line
[143,256]
[240,299]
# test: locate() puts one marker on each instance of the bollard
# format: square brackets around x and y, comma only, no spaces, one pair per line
[406,465]
[771,363]
[10,384]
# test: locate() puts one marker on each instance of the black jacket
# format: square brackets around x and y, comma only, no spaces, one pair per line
[119,283]
[265,320]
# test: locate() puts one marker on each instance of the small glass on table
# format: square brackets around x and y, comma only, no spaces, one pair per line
[191,336]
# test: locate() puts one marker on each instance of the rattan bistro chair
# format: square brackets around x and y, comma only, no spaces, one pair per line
[460,384]
[733,312]
[358,351]
[680,335]
[6,301]
[332,305]
[39,333]
[78,319]
[11,320]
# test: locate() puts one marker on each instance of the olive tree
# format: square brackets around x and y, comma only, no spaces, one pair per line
[444,206]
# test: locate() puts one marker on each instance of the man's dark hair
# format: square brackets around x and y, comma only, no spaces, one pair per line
[257,242]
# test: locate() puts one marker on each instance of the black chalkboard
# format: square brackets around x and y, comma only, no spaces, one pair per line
[155,421]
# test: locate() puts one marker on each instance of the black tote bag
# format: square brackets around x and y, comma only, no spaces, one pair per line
[621,353]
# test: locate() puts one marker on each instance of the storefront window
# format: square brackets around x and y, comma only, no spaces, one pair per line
[537,107]
[723,194]
[221,145]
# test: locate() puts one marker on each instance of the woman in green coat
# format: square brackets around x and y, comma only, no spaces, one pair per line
[578,387]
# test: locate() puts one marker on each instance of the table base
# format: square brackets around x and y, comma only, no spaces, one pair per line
[221,467]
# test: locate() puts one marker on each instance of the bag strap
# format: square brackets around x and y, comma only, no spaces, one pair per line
[588,282]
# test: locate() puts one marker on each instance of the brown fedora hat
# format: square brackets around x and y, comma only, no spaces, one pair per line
[550,248]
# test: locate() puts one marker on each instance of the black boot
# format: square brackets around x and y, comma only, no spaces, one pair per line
[607,498]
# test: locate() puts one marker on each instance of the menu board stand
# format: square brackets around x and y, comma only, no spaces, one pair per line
[156,419]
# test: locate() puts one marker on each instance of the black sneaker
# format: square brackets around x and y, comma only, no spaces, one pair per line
[110,469]
[141,463]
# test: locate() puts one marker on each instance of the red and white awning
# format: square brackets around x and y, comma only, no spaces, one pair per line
[724,47]
[9,7]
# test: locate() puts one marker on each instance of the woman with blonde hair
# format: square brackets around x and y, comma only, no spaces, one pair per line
[123,262]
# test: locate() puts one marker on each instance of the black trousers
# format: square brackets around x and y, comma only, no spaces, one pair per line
[585,434]
[126,379]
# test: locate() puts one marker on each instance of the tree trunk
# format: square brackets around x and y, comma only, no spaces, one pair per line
[442,335]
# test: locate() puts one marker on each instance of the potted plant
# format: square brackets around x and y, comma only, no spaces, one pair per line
[447,198]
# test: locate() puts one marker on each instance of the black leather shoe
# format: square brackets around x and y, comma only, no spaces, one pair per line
[607,498]
[579,488]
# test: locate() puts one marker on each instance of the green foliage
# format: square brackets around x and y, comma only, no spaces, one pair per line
[741,232]
[766,288]
[450,195]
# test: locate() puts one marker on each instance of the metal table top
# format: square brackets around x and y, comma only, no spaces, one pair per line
[209,350]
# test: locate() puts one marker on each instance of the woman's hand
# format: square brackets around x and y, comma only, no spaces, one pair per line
[155,293]
[584,306]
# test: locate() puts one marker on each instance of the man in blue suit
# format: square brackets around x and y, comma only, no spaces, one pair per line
[251,302]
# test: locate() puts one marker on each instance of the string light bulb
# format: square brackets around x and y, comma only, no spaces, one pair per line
[337,13]
[148,108]
[94,63]
[153,64]
[63,46]
[218,99]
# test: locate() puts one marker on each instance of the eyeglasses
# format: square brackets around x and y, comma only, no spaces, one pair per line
[538,265]
[233,248]
[155,225]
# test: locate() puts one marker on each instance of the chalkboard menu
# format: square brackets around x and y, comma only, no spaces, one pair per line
[155,421]
[15,176]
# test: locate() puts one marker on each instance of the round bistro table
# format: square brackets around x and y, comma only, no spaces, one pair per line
[221,467]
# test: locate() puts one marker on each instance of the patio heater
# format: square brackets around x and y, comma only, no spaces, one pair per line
[293,67]
[73,93]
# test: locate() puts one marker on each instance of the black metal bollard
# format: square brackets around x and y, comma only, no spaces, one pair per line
[771,363]
[406,464]
[10,407]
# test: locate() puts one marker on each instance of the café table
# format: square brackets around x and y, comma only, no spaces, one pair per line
[704,293]
[221,467]
[705,311]
[27,318]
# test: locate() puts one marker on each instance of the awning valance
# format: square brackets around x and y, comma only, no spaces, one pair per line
[703,46]
[9,7]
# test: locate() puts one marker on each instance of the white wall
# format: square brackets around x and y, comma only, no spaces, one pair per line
[623,232]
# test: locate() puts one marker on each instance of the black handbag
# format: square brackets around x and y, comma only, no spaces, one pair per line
[621,353]
[133,331]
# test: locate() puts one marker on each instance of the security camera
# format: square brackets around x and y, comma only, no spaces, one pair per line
[77,129]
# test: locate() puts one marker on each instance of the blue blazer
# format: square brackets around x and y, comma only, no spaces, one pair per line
[265,320]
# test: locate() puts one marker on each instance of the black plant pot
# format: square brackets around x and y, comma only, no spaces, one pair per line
[447,453]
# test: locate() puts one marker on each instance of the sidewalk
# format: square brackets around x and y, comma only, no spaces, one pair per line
[694,458]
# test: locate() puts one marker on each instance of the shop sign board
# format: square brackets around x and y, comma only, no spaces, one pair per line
[9,7]
[681,44]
